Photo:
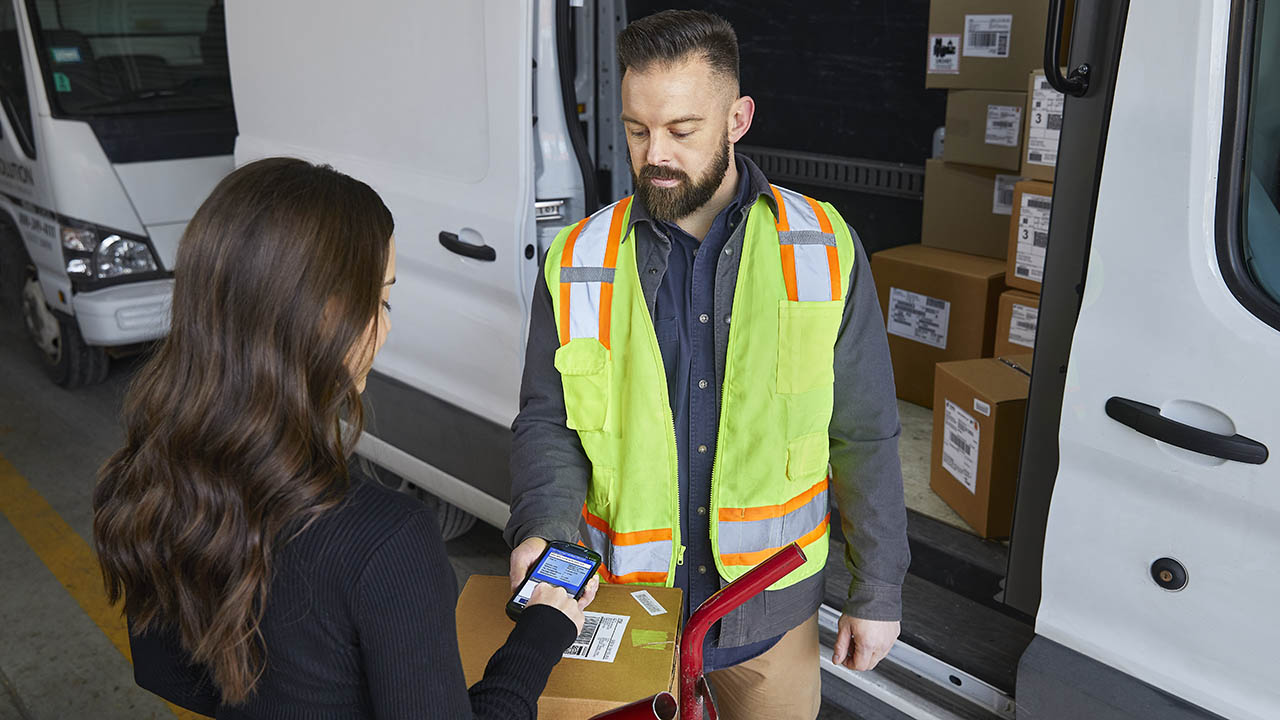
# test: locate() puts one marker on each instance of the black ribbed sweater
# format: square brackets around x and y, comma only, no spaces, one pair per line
[359,623]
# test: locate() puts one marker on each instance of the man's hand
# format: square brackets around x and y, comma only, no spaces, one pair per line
[523,558]
[862,644]
[527,553]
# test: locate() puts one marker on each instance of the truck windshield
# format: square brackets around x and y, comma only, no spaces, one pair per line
[133,56]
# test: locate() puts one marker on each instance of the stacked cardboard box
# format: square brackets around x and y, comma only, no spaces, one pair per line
[978,416]
[939,305]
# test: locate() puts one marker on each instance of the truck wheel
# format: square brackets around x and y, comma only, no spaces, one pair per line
[454,521]
[70,362]
[13,270]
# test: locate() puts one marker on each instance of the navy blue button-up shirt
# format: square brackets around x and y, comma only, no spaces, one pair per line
[685,324]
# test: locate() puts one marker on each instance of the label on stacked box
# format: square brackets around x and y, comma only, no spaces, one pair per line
[987,35]
[1044,125]
[918,317]
[961,436]
[1004,125]
[1033,236]
[1022,325]
[944,54]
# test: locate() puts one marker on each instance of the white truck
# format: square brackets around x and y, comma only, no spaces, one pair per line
[116,123]
[1136,583]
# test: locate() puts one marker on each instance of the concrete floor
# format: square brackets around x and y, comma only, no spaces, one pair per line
[56,662]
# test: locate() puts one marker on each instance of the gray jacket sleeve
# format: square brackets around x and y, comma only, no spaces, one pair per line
[866,471]
[549,469]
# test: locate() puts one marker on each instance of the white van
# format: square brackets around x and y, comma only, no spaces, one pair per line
[1137,582]
[116,124]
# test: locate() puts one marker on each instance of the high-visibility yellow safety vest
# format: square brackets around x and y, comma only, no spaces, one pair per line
[770,472]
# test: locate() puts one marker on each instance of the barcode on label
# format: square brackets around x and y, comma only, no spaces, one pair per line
[1025,325]
[960,445]
[1041,239]
[997,40]
[935,303]
[580,646]
[1006,197]
[1040,204]
[1054,121]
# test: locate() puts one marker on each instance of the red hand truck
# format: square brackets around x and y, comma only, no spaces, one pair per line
[696,702]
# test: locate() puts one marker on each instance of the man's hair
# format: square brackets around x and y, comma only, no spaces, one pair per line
[673,36]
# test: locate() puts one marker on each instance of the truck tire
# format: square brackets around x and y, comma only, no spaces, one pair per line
[454,521]
[68,359]
[13,268]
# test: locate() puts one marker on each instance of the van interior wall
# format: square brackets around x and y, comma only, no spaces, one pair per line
[838,77]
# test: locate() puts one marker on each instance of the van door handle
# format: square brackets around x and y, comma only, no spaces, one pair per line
[1147,420]
[1077,83]
[451,243]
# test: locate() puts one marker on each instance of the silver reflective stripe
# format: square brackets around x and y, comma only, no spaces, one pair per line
[651,557]
[746,536]
[584,310]
[806,237]
[799,214]
[586,274]
[813,273]
[809,243]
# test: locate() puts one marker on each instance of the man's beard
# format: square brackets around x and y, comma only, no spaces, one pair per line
[673,203]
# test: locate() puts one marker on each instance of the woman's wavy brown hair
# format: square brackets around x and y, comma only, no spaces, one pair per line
[233,436]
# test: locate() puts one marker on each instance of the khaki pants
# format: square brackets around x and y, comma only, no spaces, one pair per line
[785,683]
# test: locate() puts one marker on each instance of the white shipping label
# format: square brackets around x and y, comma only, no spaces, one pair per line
[648,602]
[1044,124]
[987,35]
[1004,125]
[919,317]
[1002,195]
[981,407]
[960,446]
[944,54]
[601,636]
[1033,236]
[1022,328]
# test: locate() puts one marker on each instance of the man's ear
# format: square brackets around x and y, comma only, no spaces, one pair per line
[741,113]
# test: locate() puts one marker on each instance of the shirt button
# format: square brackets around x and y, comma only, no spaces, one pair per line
[728,251]
[702,384]
[726,319]
[704,318]
[653,271]
[702,449]
[702,569]
[702,511]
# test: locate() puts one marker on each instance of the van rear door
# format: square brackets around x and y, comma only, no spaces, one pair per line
[1165,517]
[431,104]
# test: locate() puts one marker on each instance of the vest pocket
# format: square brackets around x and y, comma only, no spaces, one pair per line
[584,371]
[806,344]
[807,457]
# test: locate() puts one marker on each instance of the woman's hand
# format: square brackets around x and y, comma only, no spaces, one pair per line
[558,598]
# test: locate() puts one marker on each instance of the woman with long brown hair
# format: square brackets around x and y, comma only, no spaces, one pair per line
[259,578]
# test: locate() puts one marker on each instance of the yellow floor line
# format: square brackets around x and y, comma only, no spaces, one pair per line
[67,556]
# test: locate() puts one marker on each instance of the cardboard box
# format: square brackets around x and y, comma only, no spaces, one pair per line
[1016,323]
[967,208]
[1029,235]
[1043,128]
[978,416]
[984,127]
[985,44]
[939,305]
[646,649]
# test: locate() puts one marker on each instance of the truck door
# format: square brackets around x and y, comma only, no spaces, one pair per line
[1165,515]
[431,104]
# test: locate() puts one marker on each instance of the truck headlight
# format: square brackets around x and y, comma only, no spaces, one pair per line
[116,256]
[79,239]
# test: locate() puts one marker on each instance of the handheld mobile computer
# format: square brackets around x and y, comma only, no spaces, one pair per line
[563,564]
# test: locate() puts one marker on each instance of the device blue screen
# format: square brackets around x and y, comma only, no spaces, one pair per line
[558,568]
